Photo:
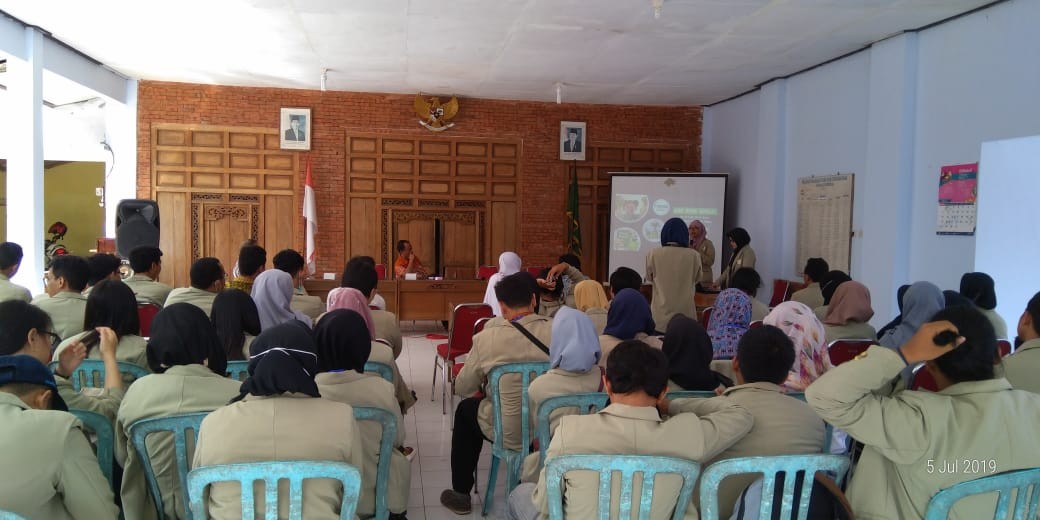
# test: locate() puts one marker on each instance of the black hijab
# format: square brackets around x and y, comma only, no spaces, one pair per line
[979,288]
[956,299]
[741,237]
[342,341]
[234,315]
[282,359]
[830,283]
[688,349]
[182,335]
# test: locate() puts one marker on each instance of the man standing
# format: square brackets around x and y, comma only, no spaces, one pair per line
[64,302]
[407,262]
[146,262]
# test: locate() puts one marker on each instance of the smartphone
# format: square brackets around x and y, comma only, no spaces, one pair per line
[90,339]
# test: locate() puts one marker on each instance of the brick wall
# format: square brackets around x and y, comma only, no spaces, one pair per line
[542,229]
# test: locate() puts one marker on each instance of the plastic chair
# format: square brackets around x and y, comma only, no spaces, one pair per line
[177,425]
[382,369]
[7,515]
[706,316]
[923,379]
[238,370]
[1005,348]
[628,466]
[842,350]
[485,271]
[586,403]
[381,271]
[499,452]
[802,467]
[271,473]
[1024,483]
[102,428]
[91,373]
[478,326]
[145,313]
[779,292]
[460,341]
[386,450]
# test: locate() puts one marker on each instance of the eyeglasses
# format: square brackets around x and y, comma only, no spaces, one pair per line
[55,340]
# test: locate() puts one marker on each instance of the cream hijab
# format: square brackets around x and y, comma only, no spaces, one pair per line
[508,263]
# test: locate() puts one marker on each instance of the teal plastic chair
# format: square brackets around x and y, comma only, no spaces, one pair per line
[628,466]
[238,370]
[386,450]
[91,370]
[102,428]
[1024,483]
[382,369]
[271,473]
[499,452]
[178,425]
[802,467]
[7,515]
[586,403]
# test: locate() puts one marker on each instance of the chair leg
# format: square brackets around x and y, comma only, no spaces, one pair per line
[489,493]
[433,385]
[513,466]
[445,377]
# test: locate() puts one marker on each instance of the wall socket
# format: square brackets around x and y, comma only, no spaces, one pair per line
[99,191]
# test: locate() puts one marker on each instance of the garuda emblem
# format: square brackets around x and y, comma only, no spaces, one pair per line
[433,115]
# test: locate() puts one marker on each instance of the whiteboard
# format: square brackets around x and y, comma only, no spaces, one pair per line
[825,220]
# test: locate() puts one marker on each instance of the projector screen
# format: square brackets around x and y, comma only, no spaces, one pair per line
[642,202]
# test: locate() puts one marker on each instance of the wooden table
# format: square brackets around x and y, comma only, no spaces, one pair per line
[416,299]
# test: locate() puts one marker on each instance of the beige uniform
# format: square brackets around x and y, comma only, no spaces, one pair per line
[576,277]
[312,306]
[1022,367]
[496,346]
[197,297]
[388,328]
[810,296]
[279,428]
[745,258]
[148,290]
[551,384]
[674,271]
[50,471]
[12,291]
[920,442]
[608,342]
[707,252]
[97,400]
[381,353]
[850,330]
[350,387]
[131,349]
[599,319]
[759,310]
[999,325]
[66,310]
[180,390]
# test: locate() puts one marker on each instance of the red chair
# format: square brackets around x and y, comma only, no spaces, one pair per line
[535,271]
[381,271]
[779,292]
[478,327]
[923,380]
[460,341]
[706,316]
[1005,348]
[485,271]
[793,287]
[843,350]
[755,324]
[145,313]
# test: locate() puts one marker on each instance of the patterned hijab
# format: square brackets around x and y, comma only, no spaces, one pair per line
[675,233]
[851,302]
[589,294]
[508,263]
[729,321]
[800,324]
[273,292]
[921,301]
[575,345]
[352,300]
[696,242]
[629,314]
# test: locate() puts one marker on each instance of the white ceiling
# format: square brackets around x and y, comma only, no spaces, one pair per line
[603,51]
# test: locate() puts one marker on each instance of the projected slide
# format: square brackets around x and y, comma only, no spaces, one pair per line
[641,203]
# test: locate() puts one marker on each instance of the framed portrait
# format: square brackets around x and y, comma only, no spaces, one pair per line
[572,141]
[295,129]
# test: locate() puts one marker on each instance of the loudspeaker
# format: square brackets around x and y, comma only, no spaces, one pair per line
[137,224]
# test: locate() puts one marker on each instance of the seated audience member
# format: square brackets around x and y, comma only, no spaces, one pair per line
[784,425]
[207,279]
[828,285]
[706,248]
[912,437]
[742,256]
[628,318]
[64,302]
[590,298]
[921,301]
[112,304]
[573,262]
[899,317]
[10,261]
[636,381]
[235,271]
[407,262]
[749,281]
[49,467]
[810,346]
[955,299]
[688,349]
[279,416]
[360,273]
[26,330]
[237,322]
[624,278]
[273,292]
[146,262]
[674,270]
[981,290]
[251,262]
[730,318]
[103,266]
[812,273]
[189,377]
[551,295]
[343,347]
[508,263]
[848,315]
[1021,368]
[292,262]
[492,347]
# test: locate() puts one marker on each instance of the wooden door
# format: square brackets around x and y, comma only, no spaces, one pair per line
[422,233]
[459,249]
[224,228]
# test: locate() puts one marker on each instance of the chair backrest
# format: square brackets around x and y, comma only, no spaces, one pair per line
[628,466]
[145,313]
[527,371]
[535,271]
[1005,348]
[796,468]
[485,271]
[381,271]
[1024,483]
[585,403]
[755,324]
[238,370]
[779,292]
[923,379]
[478,326]
[842,350]
[706,316]
[464,317]
[178,425]
[382,369]
[271,473]
[102,428]
[7,515]
[690,394]
[386,450]
[91,373]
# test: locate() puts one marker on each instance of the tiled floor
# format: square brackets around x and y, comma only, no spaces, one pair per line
[429,431]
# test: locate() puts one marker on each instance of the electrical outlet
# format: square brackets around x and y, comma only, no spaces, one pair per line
[99,191]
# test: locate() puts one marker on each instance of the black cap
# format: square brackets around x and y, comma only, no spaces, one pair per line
[29,370]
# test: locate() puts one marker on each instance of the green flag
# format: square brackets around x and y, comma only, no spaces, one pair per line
[573,224]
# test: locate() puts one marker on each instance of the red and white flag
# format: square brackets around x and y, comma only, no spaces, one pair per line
[310,215]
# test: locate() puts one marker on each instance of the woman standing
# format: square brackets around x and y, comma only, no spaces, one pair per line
[742,256]
[674,269]
[699,242]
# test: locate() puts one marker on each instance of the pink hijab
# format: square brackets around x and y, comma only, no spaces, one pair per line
[352,299]
[695,243]
[800,323]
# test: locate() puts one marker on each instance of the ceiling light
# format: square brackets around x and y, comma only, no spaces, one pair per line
[324,78]
[559,92]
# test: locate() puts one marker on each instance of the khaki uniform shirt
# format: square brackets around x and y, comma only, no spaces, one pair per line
[350,387]
[576,277]
[131,349]
[148,290]
[1022,367]
[312,306]
[66,310]
[920,442]
[850,330]
[197,297]
[549,308]
[278,428]
[674,271]
[608,342]
[50,471]
[388,328]
[180,390]
[759,310]
[381,353]
[599,319]
[707,252]
[629,430]
[496,346]
[745,258]
[97,400]
[999,325]
[810,296]
[13,291]
[556,382]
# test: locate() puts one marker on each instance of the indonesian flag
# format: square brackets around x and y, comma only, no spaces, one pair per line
[310,215]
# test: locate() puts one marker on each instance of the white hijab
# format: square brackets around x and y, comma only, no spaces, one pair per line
[508,263]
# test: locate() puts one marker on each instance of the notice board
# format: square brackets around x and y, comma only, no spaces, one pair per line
[825,220]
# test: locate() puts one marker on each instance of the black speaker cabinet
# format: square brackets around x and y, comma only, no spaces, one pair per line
[137,224]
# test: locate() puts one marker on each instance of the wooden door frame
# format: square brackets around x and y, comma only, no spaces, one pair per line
[391,217]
